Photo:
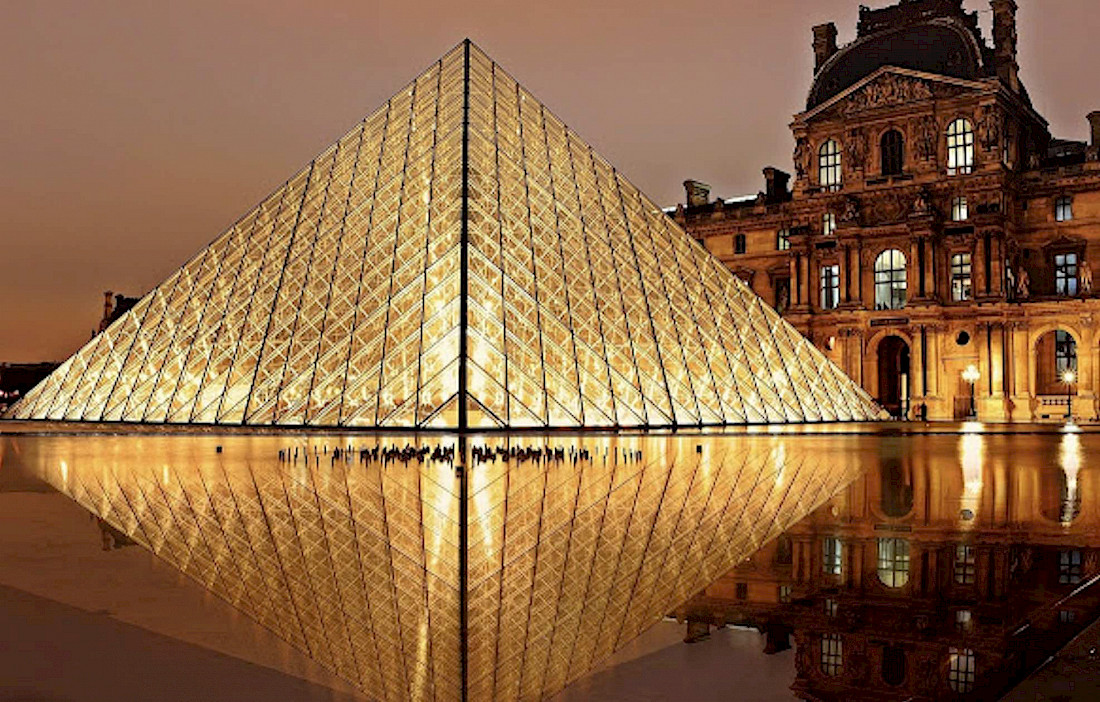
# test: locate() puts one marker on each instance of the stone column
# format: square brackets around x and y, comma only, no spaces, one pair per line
[930,269]
[796,284]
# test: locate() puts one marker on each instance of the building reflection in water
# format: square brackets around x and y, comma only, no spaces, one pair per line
[933,575]
[504,581]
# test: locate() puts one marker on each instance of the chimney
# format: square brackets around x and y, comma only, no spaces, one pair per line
[1094,123]
[1004,42]
[698,193]
[824,44]
[776,185]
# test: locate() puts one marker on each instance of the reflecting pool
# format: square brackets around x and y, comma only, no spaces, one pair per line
[898,564]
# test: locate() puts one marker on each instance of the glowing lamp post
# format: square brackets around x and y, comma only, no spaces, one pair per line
[971,376]
[1069,378]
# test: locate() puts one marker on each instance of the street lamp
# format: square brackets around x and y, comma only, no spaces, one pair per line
[971,376]
[1069,378]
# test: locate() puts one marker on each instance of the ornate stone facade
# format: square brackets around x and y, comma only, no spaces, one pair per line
[982,225]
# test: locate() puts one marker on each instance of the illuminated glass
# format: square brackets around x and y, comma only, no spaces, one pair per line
[891,285]
[829,171]
[960,147]
[459,259]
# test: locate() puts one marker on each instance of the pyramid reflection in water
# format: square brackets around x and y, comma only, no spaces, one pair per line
[359,565]
[459,259]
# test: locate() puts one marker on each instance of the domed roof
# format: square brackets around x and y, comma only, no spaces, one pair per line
[943,46]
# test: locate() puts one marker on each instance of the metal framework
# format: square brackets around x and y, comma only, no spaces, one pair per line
[461,259]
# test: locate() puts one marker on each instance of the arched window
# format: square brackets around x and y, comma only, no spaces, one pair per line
[828,165]
[960,147]
[893,665]
[890,280]
[893,562]
[893,153]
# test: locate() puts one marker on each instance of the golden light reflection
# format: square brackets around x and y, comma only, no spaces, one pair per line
[972,460]
[349,552]
[1069,458]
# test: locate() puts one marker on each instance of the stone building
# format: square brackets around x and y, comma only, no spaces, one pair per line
[925,579]
[933,226]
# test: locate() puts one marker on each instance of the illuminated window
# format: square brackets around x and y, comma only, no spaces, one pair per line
[960,209]
[890,280]
[739,245]
[828,165]
[828,224]
[785,593]
[1065,353]
[966,568]
[963,620]
[832,654]
[960,147]
[960,277]
[1063,209]
[1069,567]
[830,287]
[1065,274]
[960,671]
[831,607]
[893,562]
[832,550]
[783,240]
[893,153]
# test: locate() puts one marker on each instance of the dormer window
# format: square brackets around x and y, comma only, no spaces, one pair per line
[960,147]
[829,166]
[893,153]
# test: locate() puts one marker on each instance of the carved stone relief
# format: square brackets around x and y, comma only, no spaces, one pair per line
[887,91]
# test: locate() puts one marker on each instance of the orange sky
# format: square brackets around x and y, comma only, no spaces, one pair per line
[133,132]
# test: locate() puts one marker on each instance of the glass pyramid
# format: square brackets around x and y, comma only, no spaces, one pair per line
[460,259]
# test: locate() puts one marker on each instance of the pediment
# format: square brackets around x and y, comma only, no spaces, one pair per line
[889,88]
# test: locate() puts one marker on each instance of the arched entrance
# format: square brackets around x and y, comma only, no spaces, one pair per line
[893,376]
[1055,355]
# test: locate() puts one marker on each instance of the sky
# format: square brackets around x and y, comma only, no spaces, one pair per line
[133,132]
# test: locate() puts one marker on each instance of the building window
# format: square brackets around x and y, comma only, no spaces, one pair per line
[830,287]
[828,224]
[739,246]
[960,209]
[828,165]
[831,607]
[1067,616]
[893,153]
[783,240]
[785,594]
[832,654]
[1065,353]
[962,620]
[1063,209]
[890,280]
[1065,274]
[832,551]
[960,671]
[960,147]
[893,562]
[742,591]
[960,277]
[966,567]
[1069,567]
